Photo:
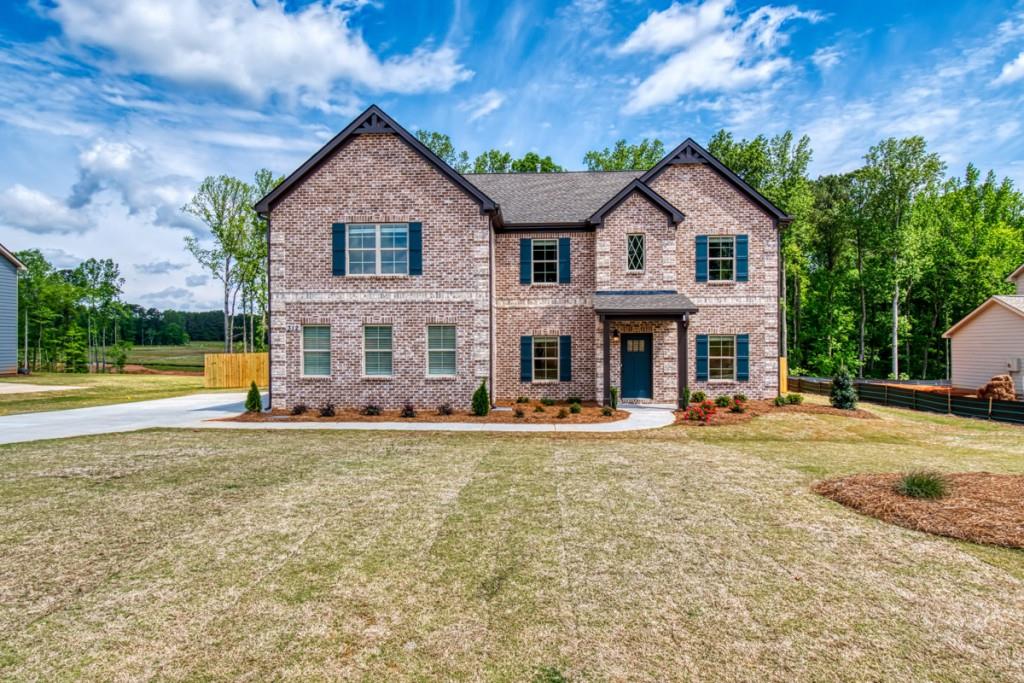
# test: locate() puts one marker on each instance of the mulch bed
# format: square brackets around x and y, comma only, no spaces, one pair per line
[980,506]
[756,408]
[590,414]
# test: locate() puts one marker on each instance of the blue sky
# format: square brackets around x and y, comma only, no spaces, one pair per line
[113,111]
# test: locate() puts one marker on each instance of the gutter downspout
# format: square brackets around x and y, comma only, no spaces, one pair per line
[490,308]
[270,326]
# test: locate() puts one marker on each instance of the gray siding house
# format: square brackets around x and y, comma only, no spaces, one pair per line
[9,267]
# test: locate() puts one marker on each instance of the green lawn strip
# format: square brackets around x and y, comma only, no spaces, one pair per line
[96,389]
[187,357]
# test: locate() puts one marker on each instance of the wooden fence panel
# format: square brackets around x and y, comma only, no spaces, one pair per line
[236,370]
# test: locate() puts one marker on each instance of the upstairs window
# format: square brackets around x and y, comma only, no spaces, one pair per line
[316,350]
[635,252]
[545,261]
[721,259]
[378,248]
[377,350]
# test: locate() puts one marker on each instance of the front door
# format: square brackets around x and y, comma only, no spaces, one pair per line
[637,359]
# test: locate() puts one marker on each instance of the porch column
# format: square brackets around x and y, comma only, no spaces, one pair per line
[606,359]
[682,357]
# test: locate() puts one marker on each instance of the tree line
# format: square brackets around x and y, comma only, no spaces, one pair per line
[877,262]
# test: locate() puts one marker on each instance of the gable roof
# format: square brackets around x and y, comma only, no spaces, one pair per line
[675,216]
[373,120]
[642,303]
[551,198]
[9,255]
[1015,274]
[689,152]
[1014,304]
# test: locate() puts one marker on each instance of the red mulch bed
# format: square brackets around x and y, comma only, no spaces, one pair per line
[980,507]
[723,416]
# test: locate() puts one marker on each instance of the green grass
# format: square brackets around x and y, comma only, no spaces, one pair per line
[95,390]
[188,358]
[687,553]
[922,484]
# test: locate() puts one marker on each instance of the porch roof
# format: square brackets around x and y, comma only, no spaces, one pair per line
[641,304]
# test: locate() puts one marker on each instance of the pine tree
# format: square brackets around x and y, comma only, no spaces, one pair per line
[481,401]
[843,396]
[253,401]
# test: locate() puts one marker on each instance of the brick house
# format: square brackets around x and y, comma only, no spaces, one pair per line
[393,278]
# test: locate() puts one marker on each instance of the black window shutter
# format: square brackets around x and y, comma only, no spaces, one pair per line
[525,261]
[742,357]
[564,270]
[415,249]
[741,258]
[565,358]
[702,358]
[526,359]
[338,249]
[702,258]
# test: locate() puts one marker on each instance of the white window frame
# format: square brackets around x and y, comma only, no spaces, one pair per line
[534,261]
[377,249]
[453,350]
[558,360]
[731,239]
[711,357]
[390,350]
[643,252]
[302,351]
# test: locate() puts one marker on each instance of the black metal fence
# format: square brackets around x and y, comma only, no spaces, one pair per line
[929,401]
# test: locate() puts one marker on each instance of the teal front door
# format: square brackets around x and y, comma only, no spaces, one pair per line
[637,357]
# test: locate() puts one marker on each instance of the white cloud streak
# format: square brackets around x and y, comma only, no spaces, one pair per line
[1011,72]
[37,212]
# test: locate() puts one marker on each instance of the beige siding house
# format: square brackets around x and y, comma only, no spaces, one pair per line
[990,340]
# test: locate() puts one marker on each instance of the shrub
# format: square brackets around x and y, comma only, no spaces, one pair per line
[562,413]
[408,410]
[739,398]
[575,407]
[253,400]
[538,409]
[327,410]
[794,399]
[684,398]
[607,411]
[548,401]
[445,409]
[843,395]
[613,395]
[923,484]
[299,409]
[780,401]
[522,399]
[722,401]
[698,397]
[700,412]
[371,409]
[574,399]
[737,407]
[481,401]
[518,412]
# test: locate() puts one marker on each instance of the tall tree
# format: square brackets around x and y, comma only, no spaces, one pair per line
[625,157]
[531,162]
[493,161]
[441,145]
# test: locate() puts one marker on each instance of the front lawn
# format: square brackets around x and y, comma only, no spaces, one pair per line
[675,554]
[96,390]
[184,358]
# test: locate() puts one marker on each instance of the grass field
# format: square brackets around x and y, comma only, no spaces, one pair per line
[188,358]
[680,554]
[95,390]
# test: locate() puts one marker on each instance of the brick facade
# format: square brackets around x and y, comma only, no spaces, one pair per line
[471,280]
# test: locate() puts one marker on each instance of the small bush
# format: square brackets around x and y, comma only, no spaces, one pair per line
[562,413]
[843,395]
[779,401]
[738,405]
[607,411]
[408,410]
[445,409]
[614,397]
[327,410]
[548,401]
[481,401]
[518,412]
[698,397]
[253,400]
[522,399]
[684,398]
[700,412]
[371,410]
[299,409]
[538,409]
[723,401]
[739,398]
[575,408]
[574,399]
[923,484]
[794,399]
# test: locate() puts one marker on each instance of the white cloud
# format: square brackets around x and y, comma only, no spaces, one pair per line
[37,212]
[1012,71]
[60,258]
[254,48]
[713,49]
[197,280]
[177,298]
[159,267]
[826,57]
[482,105]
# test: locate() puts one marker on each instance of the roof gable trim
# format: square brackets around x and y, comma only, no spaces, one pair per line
[978,311]
[675,216]
[1016,274]
[9,255]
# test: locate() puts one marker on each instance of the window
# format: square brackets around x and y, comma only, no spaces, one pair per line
[545,261]
[635,346]
[635,252]
[378,248]
[377,350]
[441,350]
[316,350]
[721,358]
[721,258]
[545,359]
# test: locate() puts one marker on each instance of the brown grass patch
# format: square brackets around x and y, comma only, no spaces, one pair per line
[981,507]
[723,416]
[590,413]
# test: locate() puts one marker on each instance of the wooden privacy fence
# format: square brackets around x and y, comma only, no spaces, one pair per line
[236,370]
[929,401]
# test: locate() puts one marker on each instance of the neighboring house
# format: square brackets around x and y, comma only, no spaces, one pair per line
[9,267]
[989,341]
[393,278]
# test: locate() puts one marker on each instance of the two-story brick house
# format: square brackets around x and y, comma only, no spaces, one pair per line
[395,279]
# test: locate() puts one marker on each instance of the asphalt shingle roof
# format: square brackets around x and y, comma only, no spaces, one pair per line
[664,303]
[571,197]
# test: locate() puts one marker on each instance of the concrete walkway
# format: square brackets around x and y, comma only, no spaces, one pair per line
[197,410]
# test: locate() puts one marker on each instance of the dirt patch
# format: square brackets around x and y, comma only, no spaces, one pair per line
[590,413]
[143,370]
[980,506]
[723,416]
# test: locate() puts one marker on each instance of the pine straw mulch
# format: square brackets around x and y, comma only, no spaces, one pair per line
[980,507]
[590,414]
[723,416]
